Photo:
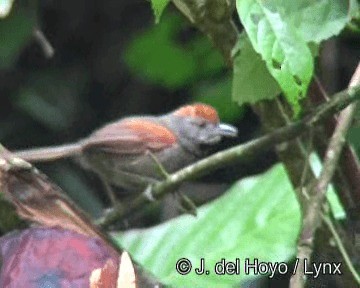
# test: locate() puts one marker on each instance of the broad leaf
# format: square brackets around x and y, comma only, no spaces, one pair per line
[279,31]
[319,20]
[252,81]
[258,217]
[280,44]
[156,56]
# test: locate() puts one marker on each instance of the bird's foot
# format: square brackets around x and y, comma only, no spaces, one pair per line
[186,205]
[159,166]
[148,193]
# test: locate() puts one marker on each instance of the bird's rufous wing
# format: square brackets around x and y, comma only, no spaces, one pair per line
[131,136]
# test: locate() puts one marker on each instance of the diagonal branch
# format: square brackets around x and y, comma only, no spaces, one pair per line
[338,102]
[346,179]
[317,191]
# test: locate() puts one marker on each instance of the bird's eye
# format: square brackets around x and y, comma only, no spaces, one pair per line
[202,124]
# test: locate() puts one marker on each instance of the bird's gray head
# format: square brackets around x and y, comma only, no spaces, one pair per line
[199,128]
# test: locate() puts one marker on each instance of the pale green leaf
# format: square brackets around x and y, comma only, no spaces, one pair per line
[252,81]
[281,46]
[318,20]
[258,217]
[280,29]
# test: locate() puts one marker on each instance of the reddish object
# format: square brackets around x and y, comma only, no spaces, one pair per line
[51,258]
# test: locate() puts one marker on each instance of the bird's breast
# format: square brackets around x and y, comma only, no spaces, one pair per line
[135,172]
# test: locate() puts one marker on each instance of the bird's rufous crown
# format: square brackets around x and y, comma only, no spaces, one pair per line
[198,110]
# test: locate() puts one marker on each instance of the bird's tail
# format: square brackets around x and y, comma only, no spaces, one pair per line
[46,154]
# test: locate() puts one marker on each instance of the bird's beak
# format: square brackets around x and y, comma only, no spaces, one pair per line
[227,130]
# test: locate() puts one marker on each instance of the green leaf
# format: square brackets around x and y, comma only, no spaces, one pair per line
[15,30]
[280,29]
[158,7]
[287,56]
[156,56]
[258,217]
[319,20]
[5,7]
[252,81]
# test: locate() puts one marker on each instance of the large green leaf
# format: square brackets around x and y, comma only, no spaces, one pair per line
[258,217]
[319,20]
[279,30]
[158,57]
[158,7]
[252,81]
[280,44]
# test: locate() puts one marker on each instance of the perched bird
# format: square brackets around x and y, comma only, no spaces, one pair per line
[129,153]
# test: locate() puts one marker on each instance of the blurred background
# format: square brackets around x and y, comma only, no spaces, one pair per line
[111,60]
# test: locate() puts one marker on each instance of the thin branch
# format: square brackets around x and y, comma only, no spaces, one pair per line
[347,175]
[341,247]
[317,192]
[44,43]
[339,101]
[307,167]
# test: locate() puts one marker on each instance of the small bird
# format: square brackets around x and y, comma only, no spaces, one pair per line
[133,152]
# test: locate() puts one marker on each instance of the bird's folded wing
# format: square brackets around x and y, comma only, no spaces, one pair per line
[131,136]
